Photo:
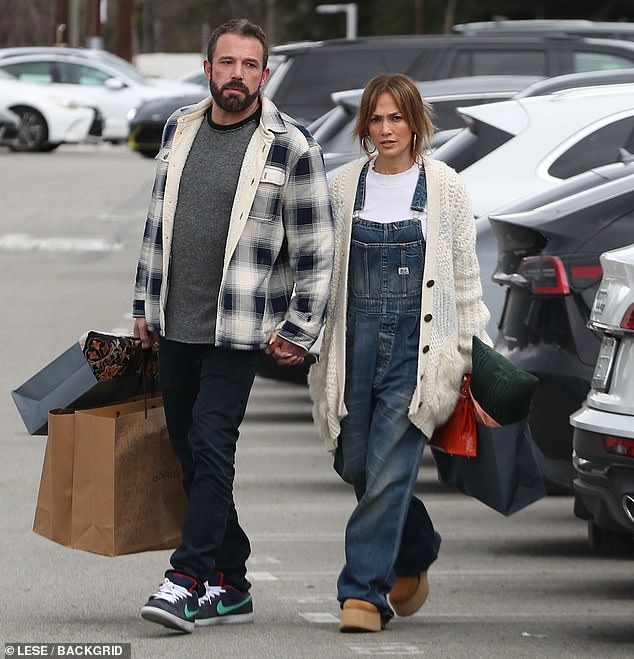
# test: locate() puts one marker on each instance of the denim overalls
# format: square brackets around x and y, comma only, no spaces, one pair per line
[389,533]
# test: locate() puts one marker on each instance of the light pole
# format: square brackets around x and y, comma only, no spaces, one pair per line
[351,16]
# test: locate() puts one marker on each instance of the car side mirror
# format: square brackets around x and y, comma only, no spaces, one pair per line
[114,84]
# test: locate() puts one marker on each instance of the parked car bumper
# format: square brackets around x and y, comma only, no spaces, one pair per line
[604,483]
[146,138]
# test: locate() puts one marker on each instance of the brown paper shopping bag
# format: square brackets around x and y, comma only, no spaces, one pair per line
[54,500]
[127,484]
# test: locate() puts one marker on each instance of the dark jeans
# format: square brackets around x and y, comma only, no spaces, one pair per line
[205,394]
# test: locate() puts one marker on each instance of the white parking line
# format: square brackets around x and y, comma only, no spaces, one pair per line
[319,618]
[261,576]
[387,650]
[24,242]
[259,560]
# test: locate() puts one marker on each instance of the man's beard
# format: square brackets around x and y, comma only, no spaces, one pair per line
[232,103]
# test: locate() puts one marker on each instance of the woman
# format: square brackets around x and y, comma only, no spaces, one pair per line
[404,304]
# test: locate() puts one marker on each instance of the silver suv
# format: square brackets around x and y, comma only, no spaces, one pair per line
[603,437]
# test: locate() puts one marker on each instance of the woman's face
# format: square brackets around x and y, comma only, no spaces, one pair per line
[390,133]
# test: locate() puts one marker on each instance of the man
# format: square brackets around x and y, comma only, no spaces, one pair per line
[236,258]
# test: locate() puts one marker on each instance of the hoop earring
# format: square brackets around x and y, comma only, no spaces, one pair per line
[368,145]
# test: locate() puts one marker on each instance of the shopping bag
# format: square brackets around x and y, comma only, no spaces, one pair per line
[97,370]
[504,475]
[54,499]
[127,495]
[458,435]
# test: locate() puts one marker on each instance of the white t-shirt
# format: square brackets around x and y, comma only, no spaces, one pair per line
[388,197]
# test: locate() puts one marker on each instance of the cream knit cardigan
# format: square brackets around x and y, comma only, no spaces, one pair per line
[452,307]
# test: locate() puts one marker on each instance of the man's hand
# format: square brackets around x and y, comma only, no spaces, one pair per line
[284,352]
[147,339]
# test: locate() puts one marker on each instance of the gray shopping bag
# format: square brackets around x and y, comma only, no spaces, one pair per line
[79,379]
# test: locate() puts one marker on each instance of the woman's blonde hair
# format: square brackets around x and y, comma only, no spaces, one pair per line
[416,111]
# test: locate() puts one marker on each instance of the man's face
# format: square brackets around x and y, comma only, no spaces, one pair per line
[236,73]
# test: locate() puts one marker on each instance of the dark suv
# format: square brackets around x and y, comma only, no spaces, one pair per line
[302,84]
[549,249]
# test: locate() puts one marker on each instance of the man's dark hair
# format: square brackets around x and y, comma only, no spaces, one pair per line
[244,28]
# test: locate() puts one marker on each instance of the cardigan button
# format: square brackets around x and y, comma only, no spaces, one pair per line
[430,283]
[427,318]
[425,349]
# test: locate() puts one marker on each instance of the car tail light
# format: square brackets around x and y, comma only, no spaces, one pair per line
[582,276]
[618,446]
[546,275]
[554,275]
[627,322]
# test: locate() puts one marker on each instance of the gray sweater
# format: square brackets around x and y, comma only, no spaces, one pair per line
[201,222]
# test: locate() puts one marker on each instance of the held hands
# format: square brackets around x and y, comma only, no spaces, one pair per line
[284,352]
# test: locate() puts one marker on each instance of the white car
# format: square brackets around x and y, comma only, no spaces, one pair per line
[525,145]
[518,148]
[603,438]
[48,117]
[94,76]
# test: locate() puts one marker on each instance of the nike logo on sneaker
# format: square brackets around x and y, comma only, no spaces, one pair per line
[223,610]
[190,614]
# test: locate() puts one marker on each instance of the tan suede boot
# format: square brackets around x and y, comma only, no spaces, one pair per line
[409,593]
[359,616]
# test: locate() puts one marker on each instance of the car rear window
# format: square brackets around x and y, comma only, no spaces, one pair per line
[601,147]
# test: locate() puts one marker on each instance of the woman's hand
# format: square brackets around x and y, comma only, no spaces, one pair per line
[284,352]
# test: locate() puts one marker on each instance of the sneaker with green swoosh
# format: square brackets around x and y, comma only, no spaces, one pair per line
[175,603]
[224,605]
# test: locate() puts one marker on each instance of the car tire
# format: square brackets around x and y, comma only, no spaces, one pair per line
[33,134]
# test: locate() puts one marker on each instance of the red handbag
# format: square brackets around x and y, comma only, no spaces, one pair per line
[459,435]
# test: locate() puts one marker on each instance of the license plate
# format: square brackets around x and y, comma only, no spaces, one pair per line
[605,361]
[599,301]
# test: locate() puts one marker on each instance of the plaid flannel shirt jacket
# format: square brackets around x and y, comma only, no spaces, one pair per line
[279,251]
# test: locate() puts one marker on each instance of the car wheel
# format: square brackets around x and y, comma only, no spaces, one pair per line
[33,133]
